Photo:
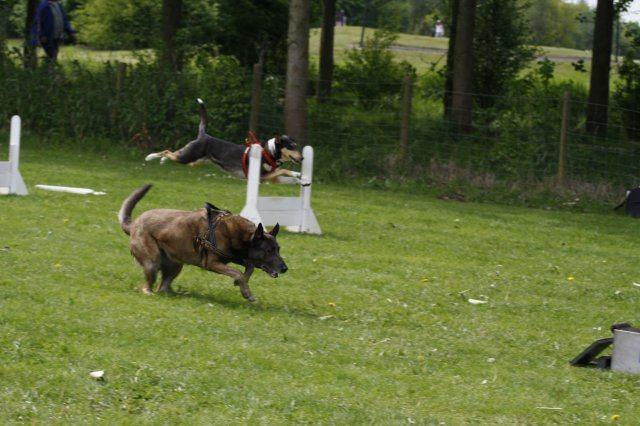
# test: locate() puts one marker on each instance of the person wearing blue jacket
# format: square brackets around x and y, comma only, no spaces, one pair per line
[50,27]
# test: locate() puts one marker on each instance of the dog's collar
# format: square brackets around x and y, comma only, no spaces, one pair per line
[267,154]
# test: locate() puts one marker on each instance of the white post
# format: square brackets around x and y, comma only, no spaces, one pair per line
[305,184]
[308,221]
[11,181]
[14,154]
[250,210]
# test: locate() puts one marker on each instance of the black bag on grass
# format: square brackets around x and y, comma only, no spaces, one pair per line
[631,203]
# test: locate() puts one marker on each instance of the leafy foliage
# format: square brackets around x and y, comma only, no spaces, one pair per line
[371,74]
[243,30]
[118,24]
[147,106]
[560,23]
[249,28]
[500,45]
[627,92]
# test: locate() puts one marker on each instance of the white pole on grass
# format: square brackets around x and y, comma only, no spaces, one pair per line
[250,210]
[305,185]
[14,154]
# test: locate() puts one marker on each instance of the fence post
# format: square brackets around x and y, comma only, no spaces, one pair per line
[407,94]
[564,138]
[121,71]
[256,89]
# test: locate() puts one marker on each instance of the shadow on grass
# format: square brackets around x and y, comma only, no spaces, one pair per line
[238,303]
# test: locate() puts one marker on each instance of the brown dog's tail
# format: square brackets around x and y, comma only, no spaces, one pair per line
[124,215]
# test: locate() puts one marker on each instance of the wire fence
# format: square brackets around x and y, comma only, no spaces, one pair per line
[361,129]
[518,138]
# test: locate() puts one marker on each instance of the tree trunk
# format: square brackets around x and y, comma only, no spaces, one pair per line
[326,50]
[30,54]
[295,107]
[600,67]
[171,17]
[448,82]
[462,100]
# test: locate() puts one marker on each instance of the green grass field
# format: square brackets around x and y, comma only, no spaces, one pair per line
[370,325]
[433,50]
[427,51]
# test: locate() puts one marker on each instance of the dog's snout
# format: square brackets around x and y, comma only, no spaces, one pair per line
[284,269]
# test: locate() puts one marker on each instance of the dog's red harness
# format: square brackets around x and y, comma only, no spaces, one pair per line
[266,155]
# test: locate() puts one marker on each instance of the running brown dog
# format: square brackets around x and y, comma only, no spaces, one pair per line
[164,240]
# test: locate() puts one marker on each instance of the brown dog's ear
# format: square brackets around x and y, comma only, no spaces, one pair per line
[275,230]
[259,232]
[277,137]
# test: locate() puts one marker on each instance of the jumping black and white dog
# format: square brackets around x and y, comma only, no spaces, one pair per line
[233,157]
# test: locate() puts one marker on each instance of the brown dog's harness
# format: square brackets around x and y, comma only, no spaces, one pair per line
[206,243]
[268,158]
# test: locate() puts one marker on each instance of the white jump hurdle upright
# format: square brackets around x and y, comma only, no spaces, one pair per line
[293,212]
[11,181]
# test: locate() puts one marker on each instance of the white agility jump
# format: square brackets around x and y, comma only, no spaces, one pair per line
[293,212]
[11,181]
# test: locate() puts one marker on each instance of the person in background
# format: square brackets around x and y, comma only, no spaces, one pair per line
[439,32]
[50,27]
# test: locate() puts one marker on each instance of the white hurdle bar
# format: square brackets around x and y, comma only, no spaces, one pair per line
[293,212]
[11,181]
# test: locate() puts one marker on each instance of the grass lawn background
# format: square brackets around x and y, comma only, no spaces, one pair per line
[368,325]
[347,38]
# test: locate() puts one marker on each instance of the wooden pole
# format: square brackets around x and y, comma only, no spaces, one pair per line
[121,71]
[256,92]
[364,23]
[564,138]
[407,95]
[462,98]
[295,94]
[326,50]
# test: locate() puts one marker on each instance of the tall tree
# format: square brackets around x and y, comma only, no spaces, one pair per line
[326,49]
[171,18]
[30,57]
[501,48]
[462,100]
[597,108]
[295,106]
[5,12]
[448,77]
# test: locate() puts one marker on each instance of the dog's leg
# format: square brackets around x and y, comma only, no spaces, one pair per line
[200,162]
[274,175]
[248,271]
[173,156]
[239,278]
[146,252]
[170,270]
[150,273]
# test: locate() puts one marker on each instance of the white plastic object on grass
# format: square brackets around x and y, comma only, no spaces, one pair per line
[476,301]
[71,190]
[97,374]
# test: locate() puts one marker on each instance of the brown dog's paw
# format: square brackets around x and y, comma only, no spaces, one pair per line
[147,291]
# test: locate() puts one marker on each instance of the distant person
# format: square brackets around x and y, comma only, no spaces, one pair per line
[344,18]
[341,18]
[439,32]
[50,27]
